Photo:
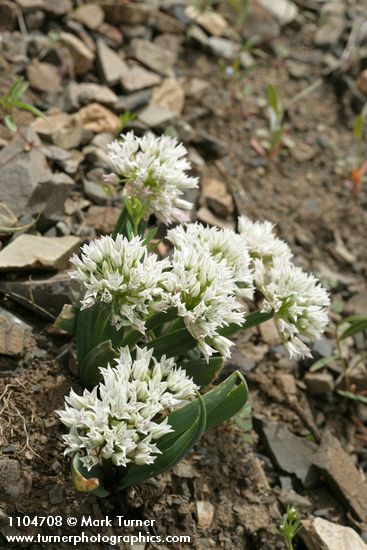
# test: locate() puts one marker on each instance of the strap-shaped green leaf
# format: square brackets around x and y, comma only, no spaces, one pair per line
[173,344]
[201,371]
[172,455]
[99,356]
[67,319]
[358,323]
[221,403]
[252,320]
[86,481]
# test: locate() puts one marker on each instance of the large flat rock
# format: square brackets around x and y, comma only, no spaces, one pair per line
[30,252]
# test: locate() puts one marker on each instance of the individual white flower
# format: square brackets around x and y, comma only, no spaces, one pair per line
[223,245]
[203,290]
[153,169]
[122,273]
[122,418]
[298,300]
[261,241]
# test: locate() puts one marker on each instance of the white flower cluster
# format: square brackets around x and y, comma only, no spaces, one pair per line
[222,245]
[154,170]
[298,300]
[203,290]
[260,240]
[122,273]
[122,417]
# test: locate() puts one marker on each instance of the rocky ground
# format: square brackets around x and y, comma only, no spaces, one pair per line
[200,72]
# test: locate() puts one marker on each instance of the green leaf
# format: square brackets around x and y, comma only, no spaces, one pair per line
[150,235]
[276,138]
[67,319]
[358,127]
[221,403]
[10,123]
[173,344]
[99,356]
[358,323]
[201,371]
[20,228]
[86,326]
[323,362]
[30,108]
[252,320]
[159,319]
[86,481]
[171,455]
[18,89]
[353,396]
[273,99]
[120,226]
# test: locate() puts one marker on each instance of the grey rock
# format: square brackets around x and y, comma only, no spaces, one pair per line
[90,15]
[30,252]
[291,498]
[155,117]
[133,101]
[334,23]
[322,347]
[343,478]
[152,56]
[46,295]
[7,218]
[196,34]
[283,10]
[322,534]
[137,78]
[34,20]
[319,383]
[224,48]
[49,197]
[94,191]
[67,160]
[15,484]
[82,56]
[15,334]
[22,168]
[76,95]
[290,453]
[8,15]
[110,65]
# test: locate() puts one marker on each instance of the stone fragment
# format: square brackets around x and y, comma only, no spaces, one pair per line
[30,5]
[62,129]
[284,10]
[15,334]
[152,56]
[164,22]
[334,23]
[46,295]
[196,34]
[97,119]
[269,333]
[7,218]
[49,197]
[205,513]
[319,383]
[291,498]
[30,252]
[137,78]
[260,23]
[290,453]
[196,87]
[20,171]
[287,383]
[132,13]
[94,191]
[82,56]
[215,193]
[321,534]
[211,21]
[362,82]
[68,161]
[77,95]
[34,20]
[343,478]
[102,218]
[90,15]
[133,101]
[112,35]
[110,65]
[58,7]
[8,15]
[169,95]
[15,484]
[43,76]
[154,116]
[224,48]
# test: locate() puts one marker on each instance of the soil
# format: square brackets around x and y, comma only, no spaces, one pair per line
[229,470]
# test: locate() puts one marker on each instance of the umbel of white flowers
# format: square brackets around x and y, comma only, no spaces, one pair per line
[123,417]
[153,169]
[209,272]
[122,273]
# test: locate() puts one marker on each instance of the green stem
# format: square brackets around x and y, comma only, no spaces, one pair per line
[120,226]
